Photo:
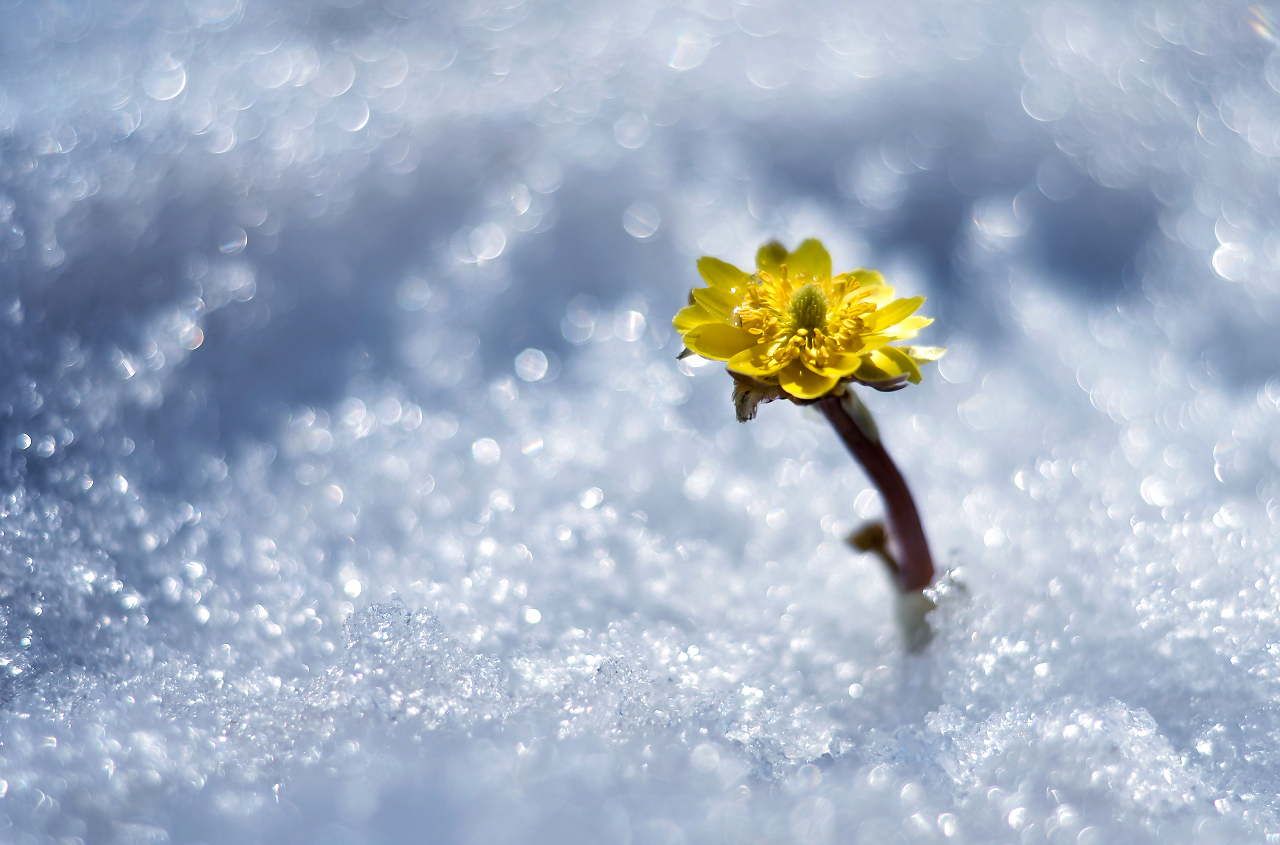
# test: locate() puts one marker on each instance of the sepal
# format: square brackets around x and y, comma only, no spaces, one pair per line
[749,395]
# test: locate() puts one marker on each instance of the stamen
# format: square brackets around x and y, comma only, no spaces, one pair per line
[808,307]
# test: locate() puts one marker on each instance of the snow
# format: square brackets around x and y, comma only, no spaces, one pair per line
[353,493]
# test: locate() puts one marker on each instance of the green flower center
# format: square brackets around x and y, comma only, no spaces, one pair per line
[808,307]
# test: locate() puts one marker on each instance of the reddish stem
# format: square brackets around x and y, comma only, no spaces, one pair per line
[914,564]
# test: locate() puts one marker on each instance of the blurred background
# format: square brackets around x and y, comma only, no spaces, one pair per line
[353,493]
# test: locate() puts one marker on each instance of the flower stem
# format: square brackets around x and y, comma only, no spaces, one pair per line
[914,565]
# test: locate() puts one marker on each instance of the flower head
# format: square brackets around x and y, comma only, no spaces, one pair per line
[792,329]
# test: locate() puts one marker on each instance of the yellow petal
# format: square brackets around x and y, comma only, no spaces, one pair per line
[856,282]
[693,315]
[803,383]
[907,328]
[809,259]
[872,342]
[719,302]
[863,286]
[914,324]
[903,362]
[841,365]
[872,374]
[720,274]
[868,371]
[924,354]
[873,286]
[895,312]
[718,341]
[866,278]
[880,296]
[754,362]
[770,257]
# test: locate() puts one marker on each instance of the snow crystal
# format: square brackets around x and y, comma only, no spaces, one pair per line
[353,492]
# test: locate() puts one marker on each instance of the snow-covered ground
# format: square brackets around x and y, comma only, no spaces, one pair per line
[352,492]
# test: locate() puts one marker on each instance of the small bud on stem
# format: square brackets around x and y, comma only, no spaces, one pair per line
[910,560]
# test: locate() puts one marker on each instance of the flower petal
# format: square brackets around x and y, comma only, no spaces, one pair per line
[924,354]
[866,278]
[862,286]
[902,361]
[913,324]
[873,287]
[895,312]
[880,295]
[690,316]
[876,368]
[872,342]
[719,302]
[754,362]
[718,341]
[720,274]
[803,383]
[873,376]
[809,259]
[840,366]
[770,257]
[907,328]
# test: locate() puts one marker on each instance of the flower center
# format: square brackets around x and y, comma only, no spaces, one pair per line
[809,307]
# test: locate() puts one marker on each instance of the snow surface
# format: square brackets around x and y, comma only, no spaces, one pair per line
[352,492]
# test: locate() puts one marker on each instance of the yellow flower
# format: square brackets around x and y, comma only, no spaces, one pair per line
[795,328]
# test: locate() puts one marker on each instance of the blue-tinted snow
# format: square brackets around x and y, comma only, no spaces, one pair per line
[300,543]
